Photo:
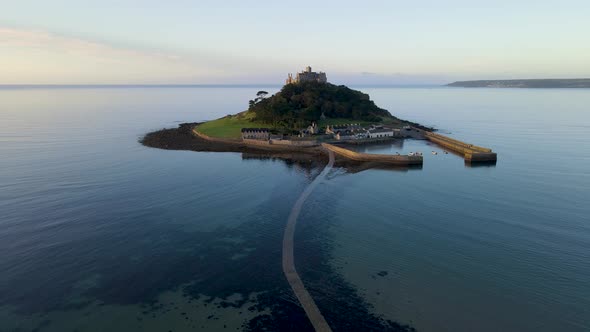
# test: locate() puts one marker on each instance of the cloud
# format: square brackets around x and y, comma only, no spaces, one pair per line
[43,57]
[44,40]
[38,56]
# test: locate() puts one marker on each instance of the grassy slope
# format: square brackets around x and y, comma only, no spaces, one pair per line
[229,126]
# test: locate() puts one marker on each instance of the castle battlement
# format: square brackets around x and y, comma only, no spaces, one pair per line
[307,76]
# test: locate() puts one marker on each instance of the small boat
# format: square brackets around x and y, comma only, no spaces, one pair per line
[434,152]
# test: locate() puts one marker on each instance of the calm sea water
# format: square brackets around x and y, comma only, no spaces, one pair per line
[98,232]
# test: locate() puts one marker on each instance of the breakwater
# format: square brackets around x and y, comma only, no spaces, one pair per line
[470,152]
[381,158]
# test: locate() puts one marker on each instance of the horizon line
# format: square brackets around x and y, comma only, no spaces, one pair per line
[172,85]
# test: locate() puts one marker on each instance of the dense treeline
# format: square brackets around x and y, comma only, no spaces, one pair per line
[298,104]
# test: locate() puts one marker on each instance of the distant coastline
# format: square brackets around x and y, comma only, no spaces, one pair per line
[573,83]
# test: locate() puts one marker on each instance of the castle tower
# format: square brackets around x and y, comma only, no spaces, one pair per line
[306,76]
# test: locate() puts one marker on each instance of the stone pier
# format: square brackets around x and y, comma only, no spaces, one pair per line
[471,153]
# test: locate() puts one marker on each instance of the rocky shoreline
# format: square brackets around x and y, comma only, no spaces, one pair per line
[182,138]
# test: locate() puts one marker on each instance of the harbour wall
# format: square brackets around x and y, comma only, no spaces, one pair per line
[381,158]
[457,142]
[269,145]
[280,144]
[293,143]
[470,152]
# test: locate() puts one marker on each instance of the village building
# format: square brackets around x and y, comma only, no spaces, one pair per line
[307,76]
[345,135]
[256,133]
[312,129]
[351,127]
[380,132]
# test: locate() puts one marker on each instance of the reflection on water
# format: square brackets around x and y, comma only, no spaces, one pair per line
[487,164]
[307,163]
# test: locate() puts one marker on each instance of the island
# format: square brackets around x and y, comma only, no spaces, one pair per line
[565,83]
[309,119]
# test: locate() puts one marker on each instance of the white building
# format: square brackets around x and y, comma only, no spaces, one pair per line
[380,132]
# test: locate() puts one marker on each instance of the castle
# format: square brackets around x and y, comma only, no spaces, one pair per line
[307,76]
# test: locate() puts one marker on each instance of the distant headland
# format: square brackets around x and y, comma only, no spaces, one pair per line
[557,83]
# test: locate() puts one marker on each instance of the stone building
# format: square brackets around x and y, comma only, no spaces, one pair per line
[255,133]
[307,76]
[380,132]
[312,129]
[345,135]
[350,126]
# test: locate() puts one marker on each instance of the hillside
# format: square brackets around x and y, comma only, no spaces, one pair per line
[229,126]
[525,83]
[296,105]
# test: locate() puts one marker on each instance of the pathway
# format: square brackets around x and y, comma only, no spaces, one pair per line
[307,302]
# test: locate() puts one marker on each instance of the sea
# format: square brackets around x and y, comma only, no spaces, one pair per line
[100,233]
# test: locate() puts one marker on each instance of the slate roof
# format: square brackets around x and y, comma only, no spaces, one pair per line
[264,130]
[376,131]
[345,133]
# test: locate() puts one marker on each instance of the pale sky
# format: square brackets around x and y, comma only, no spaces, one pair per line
[238,42]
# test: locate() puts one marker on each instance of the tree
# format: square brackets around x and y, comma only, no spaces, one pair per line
[261,95]
[298,104]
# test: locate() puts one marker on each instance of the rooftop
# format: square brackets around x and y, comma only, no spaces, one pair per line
[254,129]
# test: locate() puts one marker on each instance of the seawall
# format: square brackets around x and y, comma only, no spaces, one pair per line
[381,158]
[293,146]
[470,152]
[268,145]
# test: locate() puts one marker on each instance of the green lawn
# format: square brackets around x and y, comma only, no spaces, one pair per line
[229,126]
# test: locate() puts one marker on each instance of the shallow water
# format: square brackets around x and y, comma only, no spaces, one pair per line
[93,222]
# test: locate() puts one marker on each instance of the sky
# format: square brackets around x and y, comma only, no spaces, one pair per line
[259,42]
